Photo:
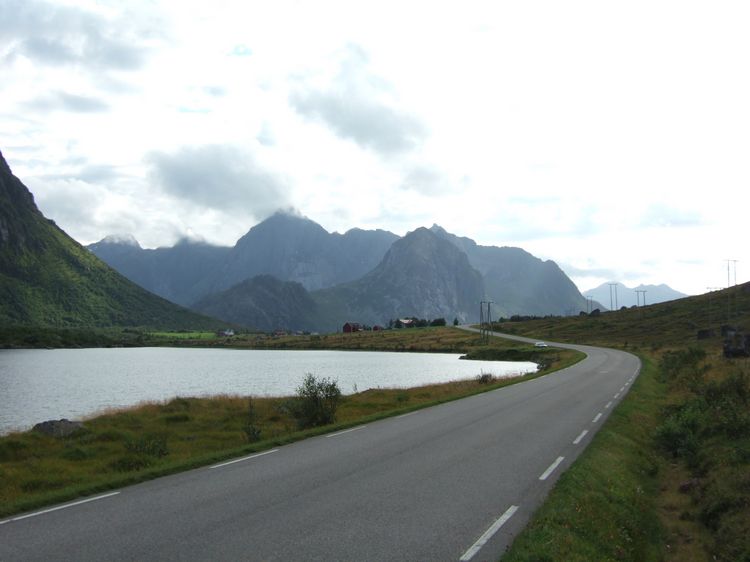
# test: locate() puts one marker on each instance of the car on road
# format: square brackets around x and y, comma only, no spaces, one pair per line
[540,344]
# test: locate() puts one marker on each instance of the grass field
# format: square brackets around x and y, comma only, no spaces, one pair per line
[668,476]
[121,447]
[183,335]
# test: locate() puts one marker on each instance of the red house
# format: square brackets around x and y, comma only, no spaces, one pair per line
[351,327]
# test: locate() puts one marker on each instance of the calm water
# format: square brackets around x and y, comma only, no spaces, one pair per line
[38,385]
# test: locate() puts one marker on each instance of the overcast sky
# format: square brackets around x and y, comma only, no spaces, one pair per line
[611,137]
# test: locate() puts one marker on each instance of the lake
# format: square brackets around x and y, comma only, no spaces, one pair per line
[38,385]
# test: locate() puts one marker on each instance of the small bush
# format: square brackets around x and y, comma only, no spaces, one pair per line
[485,378]
[250,427]
[316,402]
[130,462]
[13,450]
[151,445]
[678,435]
[76,454]
[177,418]
[728,400]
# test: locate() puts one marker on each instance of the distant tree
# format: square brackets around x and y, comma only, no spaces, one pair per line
[438,322]
[455,321]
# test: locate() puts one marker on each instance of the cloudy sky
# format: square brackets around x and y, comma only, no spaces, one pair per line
[611,137]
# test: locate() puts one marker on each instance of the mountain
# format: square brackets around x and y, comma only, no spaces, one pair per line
[295,248]
[264,303]
[175,273]
[421,275]
[518,282]
[286,246]
[48,279]
[627,296]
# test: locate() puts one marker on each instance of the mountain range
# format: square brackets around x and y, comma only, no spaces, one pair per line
[289,272]
[627,296]
[49,279]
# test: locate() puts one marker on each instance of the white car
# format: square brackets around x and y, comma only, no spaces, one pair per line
[540,344]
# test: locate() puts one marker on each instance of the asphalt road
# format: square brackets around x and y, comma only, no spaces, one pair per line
[452,482]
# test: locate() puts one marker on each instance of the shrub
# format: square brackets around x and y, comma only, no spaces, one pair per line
[678,435]
[485,378]
[728,401]
[130,462]
[316,402]
[154,445]
[250,427]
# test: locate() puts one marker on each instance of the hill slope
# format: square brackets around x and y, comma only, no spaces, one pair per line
[175,273]
[264,303]
[48,279]
[421,275]
[518,282]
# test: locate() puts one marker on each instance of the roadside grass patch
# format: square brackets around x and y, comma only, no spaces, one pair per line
[153,439]
[602,508]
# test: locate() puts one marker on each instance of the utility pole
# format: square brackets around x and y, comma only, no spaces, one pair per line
[485,321]
[612,306]
[729,293]
[638,293]
[481,320]
[589,304]
[638,299]
[710,290]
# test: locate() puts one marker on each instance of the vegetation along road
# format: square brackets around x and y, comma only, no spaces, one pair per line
[453,482]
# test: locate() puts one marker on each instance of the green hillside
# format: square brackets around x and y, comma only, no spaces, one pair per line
[48,279]
[669,324]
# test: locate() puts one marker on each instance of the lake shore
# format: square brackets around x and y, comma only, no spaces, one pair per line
[135,444]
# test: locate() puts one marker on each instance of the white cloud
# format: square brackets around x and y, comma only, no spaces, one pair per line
[219,177]
[355,106]
[610,137]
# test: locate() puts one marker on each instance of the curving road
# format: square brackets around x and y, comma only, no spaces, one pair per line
[452,482]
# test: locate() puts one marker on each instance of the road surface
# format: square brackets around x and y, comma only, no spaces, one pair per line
[453,482]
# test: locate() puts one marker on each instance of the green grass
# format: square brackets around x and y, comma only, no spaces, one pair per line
[668,476]
[603,507]
[183,335]
[665,325]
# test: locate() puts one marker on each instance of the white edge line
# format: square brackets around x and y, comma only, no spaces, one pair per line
[346,431]
[406,414]
[617,396]
[489,533]
[608,404]
[622,389]
[243,459]
[67,505]
[551,468]
[580,437]
[597,417]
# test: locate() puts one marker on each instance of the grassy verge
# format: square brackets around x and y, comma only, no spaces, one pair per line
[668,476]
[603,507]
[123,447]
